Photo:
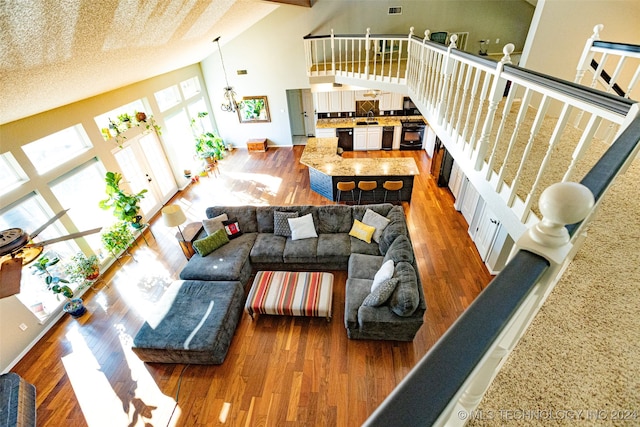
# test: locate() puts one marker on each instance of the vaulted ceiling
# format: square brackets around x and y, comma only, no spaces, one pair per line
[56,53]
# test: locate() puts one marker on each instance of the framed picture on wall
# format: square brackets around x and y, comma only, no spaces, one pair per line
[254,109]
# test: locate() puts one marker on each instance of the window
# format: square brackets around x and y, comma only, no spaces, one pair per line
[167,98]
[80,191]
[11,174]
[29,214]
[190,87]
[53,150]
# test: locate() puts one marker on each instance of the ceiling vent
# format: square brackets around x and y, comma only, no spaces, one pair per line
[395,10]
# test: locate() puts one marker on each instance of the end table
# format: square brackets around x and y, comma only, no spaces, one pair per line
[190,233]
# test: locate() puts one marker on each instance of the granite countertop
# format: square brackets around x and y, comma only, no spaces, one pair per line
[350,122]
[320,154]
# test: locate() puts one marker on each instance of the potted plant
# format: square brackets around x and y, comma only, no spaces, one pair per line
[82,269]
[125,205]
[209,146]
[57,285]
[117,238]
[141,116]
[125,119]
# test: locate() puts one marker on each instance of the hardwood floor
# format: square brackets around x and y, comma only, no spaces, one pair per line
[280,371]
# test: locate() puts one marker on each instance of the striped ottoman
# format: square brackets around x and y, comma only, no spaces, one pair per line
[291,293]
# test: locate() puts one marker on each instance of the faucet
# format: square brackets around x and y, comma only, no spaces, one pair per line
[369,114]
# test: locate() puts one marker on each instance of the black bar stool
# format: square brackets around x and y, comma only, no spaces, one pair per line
[367,186]
[392,186]
[345,186]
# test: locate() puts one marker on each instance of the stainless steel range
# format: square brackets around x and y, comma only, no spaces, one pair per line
[412,134]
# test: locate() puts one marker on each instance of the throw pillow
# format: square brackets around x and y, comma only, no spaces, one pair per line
[280,223]
[381,294]
[211,225]
[384,273]
[362,231]
[210,243]
[232,228]
[376,220]
[302,227]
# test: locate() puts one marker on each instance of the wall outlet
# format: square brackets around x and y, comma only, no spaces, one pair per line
[497,41]
[23,326]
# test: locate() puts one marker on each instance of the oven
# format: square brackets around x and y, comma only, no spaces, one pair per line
[412,134]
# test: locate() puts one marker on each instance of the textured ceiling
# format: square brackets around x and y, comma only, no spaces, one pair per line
[53,53]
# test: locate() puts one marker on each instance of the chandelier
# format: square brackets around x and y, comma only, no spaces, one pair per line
[230,104]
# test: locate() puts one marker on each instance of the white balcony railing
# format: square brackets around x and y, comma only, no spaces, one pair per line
[513,132]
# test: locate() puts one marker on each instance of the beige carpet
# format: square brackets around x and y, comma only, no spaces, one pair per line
[582,351]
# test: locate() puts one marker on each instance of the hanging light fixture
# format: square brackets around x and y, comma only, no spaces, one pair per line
[230,104]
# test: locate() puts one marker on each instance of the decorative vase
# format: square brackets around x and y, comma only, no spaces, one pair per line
[75,307]
[94,275]
[137,222]
[141,117]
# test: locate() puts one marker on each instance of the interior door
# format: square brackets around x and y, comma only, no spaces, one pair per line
[296,113]
[308,112]
[144,166]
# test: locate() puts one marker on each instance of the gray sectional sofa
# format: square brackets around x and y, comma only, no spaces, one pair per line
[258,248]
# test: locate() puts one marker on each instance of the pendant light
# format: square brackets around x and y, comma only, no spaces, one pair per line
[230,104]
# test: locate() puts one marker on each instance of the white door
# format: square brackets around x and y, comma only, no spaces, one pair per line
[144,166]
[486,232]
[308,112]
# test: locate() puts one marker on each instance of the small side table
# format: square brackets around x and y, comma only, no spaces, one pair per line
[190,233]
[257,145]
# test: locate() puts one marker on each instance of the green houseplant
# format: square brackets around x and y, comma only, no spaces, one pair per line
[125,205]
[117,238]
[57,285]
[82,269]
[208,145]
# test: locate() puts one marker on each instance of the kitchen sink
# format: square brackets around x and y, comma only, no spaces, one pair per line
[366,123]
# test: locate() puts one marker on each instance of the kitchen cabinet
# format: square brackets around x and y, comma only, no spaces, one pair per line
[468,201]
[325,133]
[397,137]
[347,101]
[322,102]
[367,138]
[335,101]
[391,101]
[455,180]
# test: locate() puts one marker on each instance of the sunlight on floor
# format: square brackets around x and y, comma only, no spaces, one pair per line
[134,401]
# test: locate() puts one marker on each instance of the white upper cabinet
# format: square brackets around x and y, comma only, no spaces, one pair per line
[335,101]
[348,100]
[323,104]
[391,101]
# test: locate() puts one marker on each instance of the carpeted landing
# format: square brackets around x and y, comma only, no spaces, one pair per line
[580,359]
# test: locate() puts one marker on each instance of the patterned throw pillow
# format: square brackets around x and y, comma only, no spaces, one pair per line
[210,243]
[211,225]
[281,223]
[232,228]
[362,231]
[376,220]
[381,294]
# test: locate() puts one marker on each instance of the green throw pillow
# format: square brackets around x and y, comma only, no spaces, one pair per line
[210,243]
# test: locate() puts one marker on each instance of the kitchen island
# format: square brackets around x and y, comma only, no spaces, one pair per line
[327,168]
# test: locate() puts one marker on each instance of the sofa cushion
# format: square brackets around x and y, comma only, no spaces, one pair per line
[362,266]
[333,248]
[210,243]
[358,211]
[211,225]
[356,290]
[381,294]
[362,231]
[246,216]
[333,219]
[225,263]
[397,226]
[268,248]
[265,215]
[361,247]
[303,250]
[302,227]
[281,223]
[400,250]
[377,221]
[405,298]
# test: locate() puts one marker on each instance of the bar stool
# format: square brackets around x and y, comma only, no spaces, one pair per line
[392,186]
[345,186]
[367,186]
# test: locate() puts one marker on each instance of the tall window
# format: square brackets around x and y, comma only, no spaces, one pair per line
[190,87]
[167,98]
[80,191]
[11,174]
[29,213]
[53,150]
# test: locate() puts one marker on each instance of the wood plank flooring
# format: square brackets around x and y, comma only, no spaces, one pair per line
[280,371]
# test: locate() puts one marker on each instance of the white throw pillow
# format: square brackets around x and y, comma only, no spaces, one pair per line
[376,220]
[385,273]
[302,228]
[212,225]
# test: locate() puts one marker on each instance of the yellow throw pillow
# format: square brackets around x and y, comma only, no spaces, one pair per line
[362,231]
